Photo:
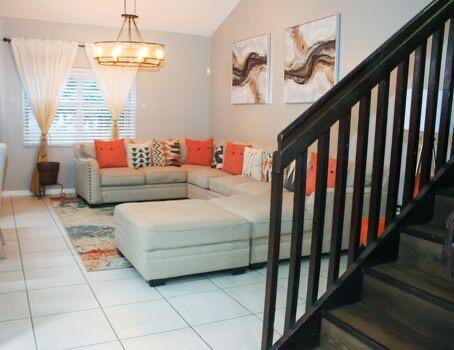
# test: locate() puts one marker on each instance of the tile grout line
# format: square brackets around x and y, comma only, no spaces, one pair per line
[23,274]
[52,213]
[102,307]
[190,326]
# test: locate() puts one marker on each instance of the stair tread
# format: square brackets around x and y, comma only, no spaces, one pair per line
[421,275]
[430,231]
[445,191]
[391,317]
[373,323]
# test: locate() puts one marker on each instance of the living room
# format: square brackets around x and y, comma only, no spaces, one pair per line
[137,181]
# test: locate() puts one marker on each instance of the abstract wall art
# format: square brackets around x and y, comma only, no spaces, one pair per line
[310,63]
[251,70]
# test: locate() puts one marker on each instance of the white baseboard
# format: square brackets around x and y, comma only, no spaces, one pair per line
[26,193]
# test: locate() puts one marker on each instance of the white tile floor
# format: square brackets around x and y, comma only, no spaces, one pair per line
[49,301]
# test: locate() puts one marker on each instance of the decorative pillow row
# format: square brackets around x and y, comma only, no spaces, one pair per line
[113,154]
[117,153]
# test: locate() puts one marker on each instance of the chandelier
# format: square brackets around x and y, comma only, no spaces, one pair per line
[129,49]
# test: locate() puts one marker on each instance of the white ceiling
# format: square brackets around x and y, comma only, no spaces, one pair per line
[200,17]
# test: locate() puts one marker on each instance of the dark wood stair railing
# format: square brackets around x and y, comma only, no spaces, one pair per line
[371,97]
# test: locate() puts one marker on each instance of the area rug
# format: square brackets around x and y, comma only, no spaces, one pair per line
[91,231]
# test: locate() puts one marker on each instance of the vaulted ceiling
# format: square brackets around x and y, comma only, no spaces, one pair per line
[200,17]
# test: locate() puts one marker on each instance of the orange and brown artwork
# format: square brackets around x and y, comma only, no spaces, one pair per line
[310,60]
[250,71]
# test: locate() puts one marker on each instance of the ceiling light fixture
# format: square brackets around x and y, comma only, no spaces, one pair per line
[129,49]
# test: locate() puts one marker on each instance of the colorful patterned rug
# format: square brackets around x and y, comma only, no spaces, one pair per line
[91,231]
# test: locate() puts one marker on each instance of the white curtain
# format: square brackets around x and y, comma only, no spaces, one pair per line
[115,83]
[44,66]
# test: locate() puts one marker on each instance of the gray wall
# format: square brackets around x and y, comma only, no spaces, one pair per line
[171,102]
[364,26]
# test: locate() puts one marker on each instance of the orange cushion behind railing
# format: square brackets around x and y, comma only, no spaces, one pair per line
[365,229]
[312,173]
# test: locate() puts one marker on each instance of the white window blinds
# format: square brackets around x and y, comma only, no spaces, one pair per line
[82,113]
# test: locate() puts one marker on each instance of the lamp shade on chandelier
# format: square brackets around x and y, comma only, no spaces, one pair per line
[129,49]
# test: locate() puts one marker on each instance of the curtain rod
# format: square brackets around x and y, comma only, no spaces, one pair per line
[8,40]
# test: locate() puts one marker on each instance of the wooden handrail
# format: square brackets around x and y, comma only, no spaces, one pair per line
[315,125]
[303,131]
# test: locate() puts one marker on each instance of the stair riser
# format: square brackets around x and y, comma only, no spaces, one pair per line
[333,337]
[407,309]
[443,207]
[435,290]
[412,247]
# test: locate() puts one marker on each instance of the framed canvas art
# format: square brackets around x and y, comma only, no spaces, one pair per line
[251,70]
[310,63]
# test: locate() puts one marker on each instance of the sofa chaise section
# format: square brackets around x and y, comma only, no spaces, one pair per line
[256,209]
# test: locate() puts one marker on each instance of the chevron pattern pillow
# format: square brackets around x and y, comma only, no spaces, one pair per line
[139,155]
[166,152]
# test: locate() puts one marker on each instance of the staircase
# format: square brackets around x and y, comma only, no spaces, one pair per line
[393,293]
[405,304]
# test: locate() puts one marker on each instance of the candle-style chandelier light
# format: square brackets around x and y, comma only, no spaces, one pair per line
[129,48]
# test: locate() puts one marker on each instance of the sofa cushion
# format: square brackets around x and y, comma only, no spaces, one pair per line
[218,157]
[139,155]
[180,224]
[233,158]
[200,152]
[253,188]
[256,209]
[253,163]
[199,175]
[166,152]
[121,177]
[226,184]
[111,154]
[164,175]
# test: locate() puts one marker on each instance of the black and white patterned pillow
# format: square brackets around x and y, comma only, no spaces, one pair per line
[139,155]
[218,157]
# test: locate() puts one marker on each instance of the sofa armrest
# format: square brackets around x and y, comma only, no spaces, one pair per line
[88,180]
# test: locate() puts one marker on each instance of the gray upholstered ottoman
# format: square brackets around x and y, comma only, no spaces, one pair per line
[175,238]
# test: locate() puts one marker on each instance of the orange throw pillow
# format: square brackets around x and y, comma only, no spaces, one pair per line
[111,154]
[233,158]
[200,152]
[312,174]
[365,230]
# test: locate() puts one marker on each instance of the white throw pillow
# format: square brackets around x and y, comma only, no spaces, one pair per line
[139,155]
[252,163]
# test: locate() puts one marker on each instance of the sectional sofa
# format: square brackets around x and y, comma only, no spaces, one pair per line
[119,185]
[241,196]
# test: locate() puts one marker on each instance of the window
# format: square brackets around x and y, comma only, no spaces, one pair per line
[82,114]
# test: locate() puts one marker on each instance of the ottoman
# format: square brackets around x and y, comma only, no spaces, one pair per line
[175,238]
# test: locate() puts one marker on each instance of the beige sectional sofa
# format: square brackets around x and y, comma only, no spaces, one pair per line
[241,196]
[118,185]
